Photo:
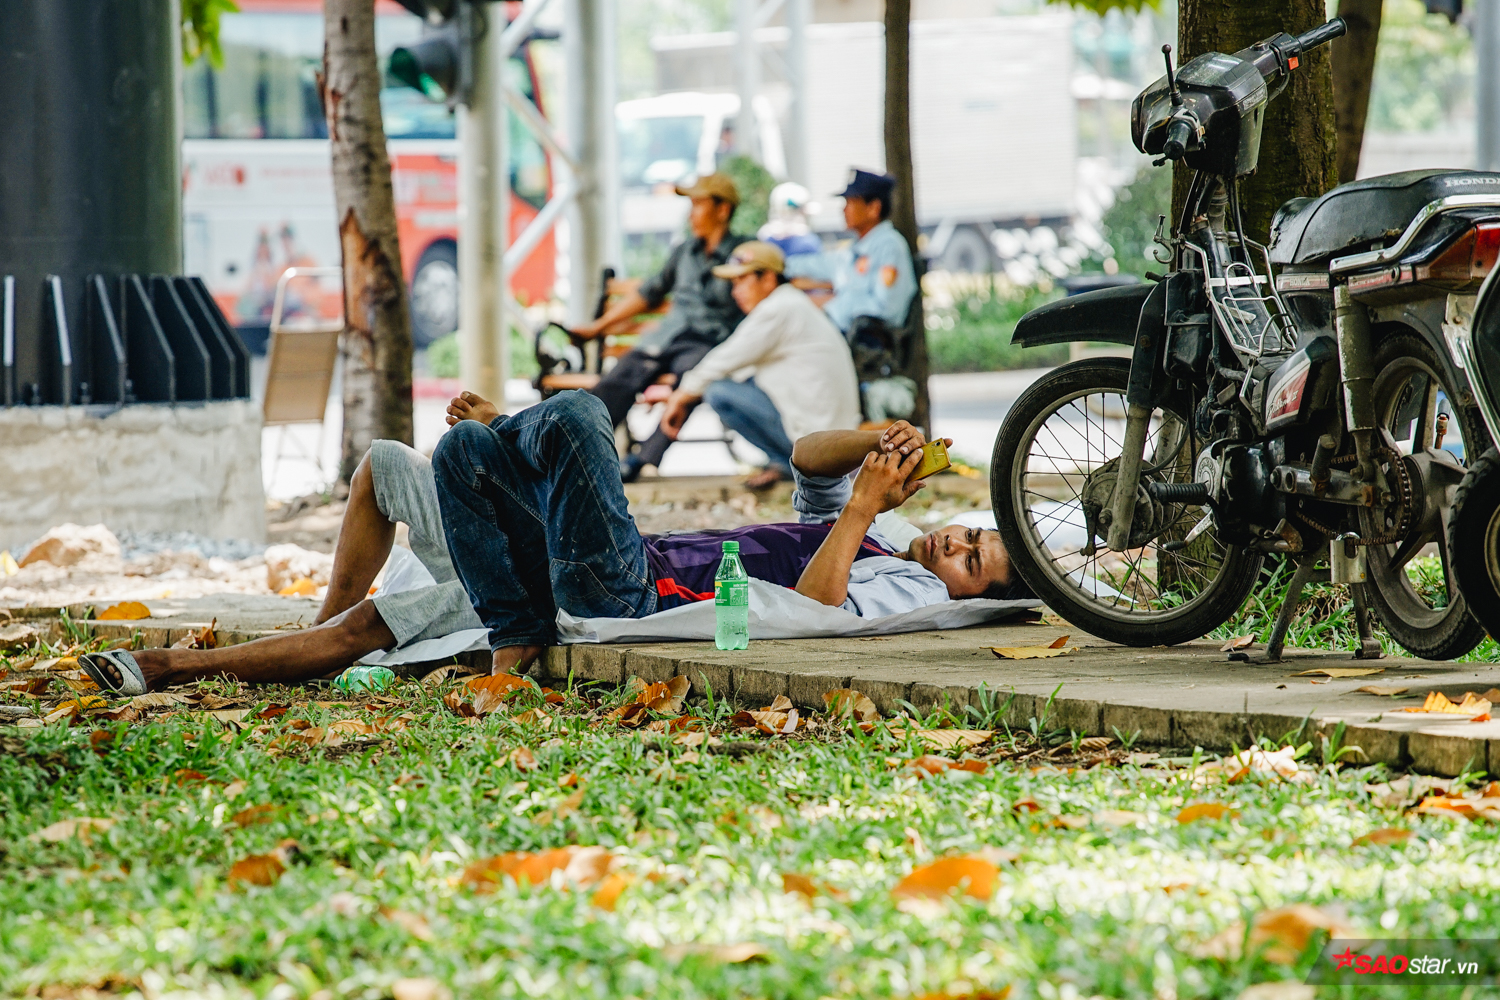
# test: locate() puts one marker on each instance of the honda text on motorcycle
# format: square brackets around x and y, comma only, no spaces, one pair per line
[1309,398]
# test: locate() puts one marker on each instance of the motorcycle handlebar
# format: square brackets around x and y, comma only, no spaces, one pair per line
[1320,35]
[1179,134]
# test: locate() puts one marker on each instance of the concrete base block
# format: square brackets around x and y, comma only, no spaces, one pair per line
[652,668]
[145,467]
[807,690]
[592,662]
[1440,752]
[1147,726]
[705,676]
[1079,716]
[755,687]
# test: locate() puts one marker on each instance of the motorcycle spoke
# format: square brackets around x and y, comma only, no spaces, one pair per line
[1406,551]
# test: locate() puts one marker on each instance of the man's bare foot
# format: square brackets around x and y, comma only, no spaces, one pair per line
[153,664]
[471,406]
[514,659]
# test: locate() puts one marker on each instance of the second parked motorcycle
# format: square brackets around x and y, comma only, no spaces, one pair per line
[1309,397]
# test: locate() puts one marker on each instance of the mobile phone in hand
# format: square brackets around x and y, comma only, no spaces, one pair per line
[934,459]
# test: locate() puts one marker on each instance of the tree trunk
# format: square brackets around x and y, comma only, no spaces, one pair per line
[1353,69]
[898,163]
[377,324]
[1297,148]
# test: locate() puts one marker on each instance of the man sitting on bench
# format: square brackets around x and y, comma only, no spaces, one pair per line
[703,313]
[532,508]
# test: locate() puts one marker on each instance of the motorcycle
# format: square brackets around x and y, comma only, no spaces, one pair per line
[1309,397]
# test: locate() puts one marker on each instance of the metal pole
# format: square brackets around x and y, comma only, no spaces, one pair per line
[796,61]
[747,75]
[1487,84]
[594,241]
[484,203]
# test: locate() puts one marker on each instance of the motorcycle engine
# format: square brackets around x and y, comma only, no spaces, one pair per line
[1238,477]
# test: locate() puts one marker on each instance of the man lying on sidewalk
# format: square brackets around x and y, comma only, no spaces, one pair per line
[534,511]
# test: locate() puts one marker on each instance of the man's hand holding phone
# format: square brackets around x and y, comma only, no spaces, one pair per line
[884,482]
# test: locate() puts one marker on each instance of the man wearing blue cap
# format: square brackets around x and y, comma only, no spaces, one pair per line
[874,277]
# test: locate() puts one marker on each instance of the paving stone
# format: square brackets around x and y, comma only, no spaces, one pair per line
[1143,726]
[593,662]
[953,697]
[650,667]
[758,686]
[554,664]
[705,676]
[806,688]
[1444,753]
[1077,715]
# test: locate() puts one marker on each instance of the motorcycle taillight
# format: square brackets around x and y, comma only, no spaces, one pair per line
[1469,258]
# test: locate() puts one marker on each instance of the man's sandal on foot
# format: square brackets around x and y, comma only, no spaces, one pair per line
[126,677]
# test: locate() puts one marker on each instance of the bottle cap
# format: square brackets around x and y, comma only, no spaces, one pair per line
[731,546]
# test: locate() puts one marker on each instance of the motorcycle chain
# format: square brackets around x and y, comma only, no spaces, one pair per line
[1404,492]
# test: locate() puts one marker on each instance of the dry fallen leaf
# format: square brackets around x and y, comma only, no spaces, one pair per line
[1340,672]
[731,953]
[1032,652]
[1384,836]
[203,638]
[255,815]
[1386,692]
[125,611]
[608,893]
[1119,817]
[664,696]
[928,765]
[81,827]
[1205,810]
[157,699]
[846,702]
[413,923]
[976,876]
[419,989]
[1238,642]
[581,866]
[566,807]
[522,759]
[263,869]
[947,739]
[1471,704]
[1283,933]
[304,586]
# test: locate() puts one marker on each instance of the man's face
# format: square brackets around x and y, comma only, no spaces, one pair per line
[861,214]
[749,290]
[967,560]
[708,217]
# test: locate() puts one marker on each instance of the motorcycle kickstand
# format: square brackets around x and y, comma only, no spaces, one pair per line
[1306,569]
[1369,646]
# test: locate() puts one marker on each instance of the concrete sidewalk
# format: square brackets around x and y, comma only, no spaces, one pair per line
[1182,696]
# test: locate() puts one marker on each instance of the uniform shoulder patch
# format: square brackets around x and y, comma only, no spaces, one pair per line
[862,265]
[888,275]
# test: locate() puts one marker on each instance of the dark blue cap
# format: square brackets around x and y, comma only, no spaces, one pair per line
[868,184]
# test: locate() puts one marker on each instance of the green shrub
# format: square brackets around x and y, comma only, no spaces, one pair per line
[969,326]
[442,356]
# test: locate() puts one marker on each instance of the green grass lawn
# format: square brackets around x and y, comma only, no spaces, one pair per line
[1100,891]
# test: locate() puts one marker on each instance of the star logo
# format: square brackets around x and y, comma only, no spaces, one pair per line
[1345,960]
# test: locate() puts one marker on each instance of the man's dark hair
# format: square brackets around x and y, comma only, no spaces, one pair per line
[781,278]
[885,205]
[732,207]
[1014,589]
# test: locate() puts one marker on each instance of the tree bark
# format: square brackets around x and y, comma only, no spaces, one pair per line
[377,347]
[1353,69]
[1297,147]
[898,163]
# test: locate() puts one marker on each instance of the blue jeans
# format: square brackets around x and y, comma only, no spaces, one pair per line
[535,519]
[745,408]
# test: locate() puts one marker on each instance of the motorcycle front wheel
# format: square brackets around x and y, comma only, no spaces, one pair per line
[1474,539]
[1411,581]
[1052,463]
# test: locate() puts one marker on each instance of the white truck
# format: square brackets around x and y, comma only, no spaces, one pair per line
[994,137]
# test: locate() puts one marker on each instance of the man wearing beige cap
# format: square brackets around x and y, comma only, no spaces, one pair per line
[702,314]
[784,373]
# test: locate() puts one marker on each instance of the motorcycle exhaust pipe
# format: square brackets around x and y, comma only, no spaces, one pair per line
[1357,365]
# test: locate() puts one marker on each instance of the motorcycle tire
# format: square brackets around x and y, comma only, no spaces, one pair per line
[1474,539]
[1448,630]
[1041,568]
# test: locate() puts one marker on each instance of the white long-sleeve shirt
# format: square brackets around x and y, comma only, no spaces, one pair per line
[798,358]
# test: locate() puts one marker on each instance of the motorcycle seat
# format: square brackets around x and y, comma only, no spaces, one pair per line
[1352,216]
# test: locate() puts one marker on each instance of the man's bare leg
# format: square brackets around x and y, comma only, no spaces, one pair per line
[471,406]
[364,544]
[279,659]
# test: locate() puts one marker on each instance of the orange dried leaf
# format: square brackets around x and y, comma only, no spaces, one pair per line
[1058,643]
[1205,810]
[1285,933]
[255,815]
[522,759]
[1238,642]
[81,827]
[792,882]
[1026,805]
[303,587]
[569,780]
[608,893]
[1383,836]
[258,869]
[125,611]
[846,702]
[413,923]
[975,876]
[579,865]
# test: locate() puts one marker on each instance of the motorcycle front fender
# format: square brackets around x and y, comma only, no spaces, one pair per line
[1105,315]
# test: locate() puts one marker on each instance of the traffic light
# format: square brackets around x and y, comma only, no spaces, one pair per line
[432,64]
[1448,8]
[435,64]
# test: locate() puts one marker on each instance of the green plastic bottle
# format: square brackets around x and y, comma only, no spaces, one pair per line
[365,678]
[731,601]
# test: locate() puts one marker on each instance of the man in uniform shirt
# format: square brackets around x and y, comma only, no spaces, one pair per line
[703,312]
[872,277]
